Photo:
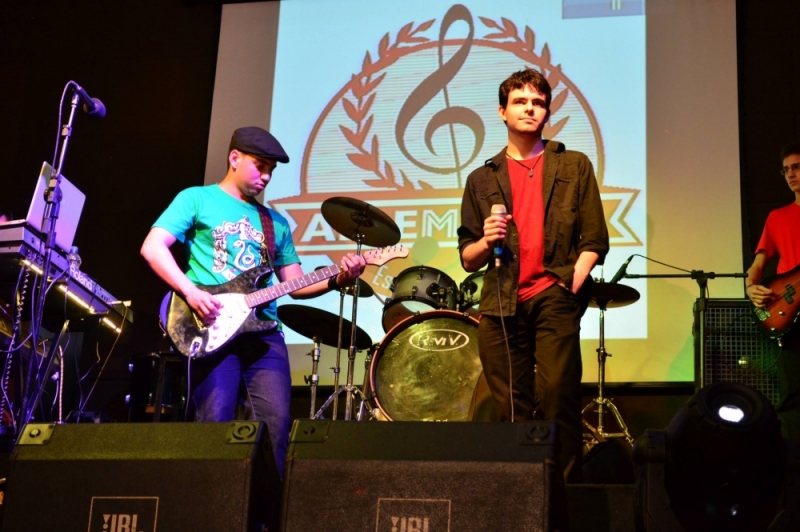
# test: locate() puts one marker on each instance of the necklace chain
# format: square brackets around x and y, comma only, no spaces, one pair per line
[525,166]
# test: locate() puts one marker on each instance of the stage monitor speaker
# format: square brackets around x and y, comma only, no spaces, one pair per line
[421,477]
[143,477]
[735,348]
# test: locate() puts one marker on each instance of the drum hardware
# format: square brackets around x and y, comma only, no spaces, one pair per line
[367,226]
[605,296]
[469,293]
[313,379]
[365,407]
[364,290]
[324,328]
[439,293]
[419,288]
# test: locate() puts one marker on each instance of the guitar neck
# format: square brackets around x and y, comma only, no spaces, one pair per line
[270,293]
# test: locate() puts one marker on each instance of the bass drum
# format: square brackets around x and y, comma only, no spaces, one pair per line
[427,368]
[418,289]
[469,294]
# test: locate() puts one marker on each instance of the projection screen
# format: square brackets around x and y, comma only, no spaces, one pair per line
[646,89]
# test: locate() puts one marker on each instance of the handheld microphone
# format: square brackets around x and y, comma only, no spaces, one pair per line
[92,106]
[621,272]
[498,209]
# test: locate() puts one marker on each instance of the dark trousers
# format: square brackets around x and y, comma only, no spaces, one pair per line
[261,366]
[544,344]
[789,383]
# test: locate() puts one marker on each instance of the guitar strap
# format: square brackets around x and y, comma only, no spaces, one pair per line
[268,244]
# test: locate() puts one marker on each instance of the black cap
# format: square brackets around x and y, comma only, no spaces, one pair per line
[258,142]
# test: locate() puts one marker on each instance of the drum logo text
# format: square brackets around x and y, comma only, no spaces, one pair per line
[439,340]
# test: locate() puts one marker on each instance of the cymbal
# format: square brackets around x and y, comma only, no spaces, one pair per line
[350,216]
[310,322]
[608,295]
[364,289]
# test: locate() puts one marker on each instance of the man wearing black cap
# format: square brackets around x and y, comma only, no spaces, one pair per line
[225,232]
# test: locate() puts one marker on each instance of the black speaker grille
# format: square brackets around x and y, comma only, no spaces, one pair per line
[736,350]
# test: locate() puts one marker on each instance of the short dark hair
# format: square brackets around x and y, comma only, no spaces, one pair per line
[793,148]
[520,80]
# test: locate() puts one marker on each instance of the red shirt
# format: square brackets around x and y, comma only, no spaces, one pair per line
[781,236]
[526,196]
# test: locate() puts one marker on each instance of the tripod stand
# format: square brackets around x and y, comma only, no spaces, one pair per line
[368,226]
[605,295]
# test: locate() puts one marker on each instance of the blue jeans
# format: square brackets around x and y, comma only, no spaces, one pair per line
[262,366]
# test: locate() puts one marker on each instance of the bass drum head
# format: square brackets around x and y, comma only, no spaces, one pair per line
[427,368]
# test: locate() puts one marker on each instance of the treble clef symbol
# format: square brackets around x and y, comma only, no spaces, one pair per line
[430,87]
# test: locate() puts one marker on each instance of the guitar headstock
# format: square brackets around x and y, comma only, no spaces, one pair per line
[380,256]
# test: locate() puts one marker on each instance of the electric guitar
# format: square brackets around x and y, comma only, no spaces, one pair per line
[780,314]
[240,299]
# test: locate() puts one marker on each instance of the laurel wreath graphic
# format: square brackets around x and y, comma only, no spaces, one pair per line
[363,85]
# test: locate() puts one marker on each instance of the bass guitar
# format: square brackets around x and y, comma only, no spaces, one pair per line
[778,316]
[241,298]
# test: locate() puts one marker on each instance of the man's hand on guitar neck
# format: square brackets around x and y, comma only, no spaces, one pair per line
[205,305]
[353,266]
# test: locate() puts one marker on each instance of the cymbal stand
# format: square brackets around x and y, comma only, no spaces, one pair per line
[351,353]
[349,388]
[599,434]
[336,368]
[313,379]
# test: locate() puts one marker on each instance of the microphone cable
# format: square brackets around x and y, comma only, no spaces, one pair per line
[508,348]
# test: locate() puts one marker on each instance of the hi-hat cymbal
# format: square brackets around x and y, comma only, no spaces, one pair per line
[311,322]
[612,295]
[350,216]
[364,289]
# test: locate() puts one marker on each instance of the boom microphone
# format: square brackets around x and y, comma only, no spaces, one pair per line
[498,209]
[622,270]
[92,106]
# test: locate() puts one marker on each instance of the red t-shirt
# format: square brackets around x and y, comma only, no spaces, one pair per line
[781,236]
[526,195]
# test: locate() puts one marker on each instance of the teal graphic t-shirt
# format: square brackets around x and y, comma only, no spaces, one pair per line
[222,236]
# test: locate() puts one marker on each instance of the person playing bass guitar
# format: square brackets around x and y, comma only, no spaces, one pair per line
[781,238]
[226,232]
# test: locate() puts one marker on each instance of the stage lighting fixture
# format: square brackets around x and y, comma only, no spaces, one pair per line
[719,466]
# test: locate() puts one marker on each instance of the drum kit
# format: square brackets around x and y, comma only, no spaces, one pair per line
[427,366]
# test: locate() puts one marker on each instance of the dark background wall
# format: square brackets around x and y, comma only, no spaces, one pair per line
[152,62]
[769,106]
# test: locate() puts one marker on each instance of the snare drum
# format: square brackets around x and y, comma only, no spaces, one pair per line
[469,294]
[418,289]
[427,368]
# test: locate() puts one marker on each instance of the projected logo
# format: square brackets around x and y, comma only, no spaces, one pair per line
[405,131]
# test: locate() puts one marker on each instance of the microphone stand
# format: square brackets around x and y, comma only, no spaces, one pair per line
[700,310]
[52,206]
